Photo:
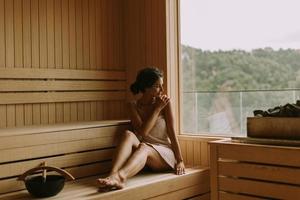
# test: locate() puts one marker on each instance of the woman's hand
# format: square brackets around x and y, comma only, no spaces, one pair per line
[162,101]
[180,168]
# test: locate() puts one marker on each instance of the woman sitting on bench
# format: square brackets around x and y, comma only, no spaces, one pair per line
[153,142]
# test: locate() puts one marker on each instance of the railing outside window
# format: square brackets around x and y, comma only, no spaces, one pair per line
[226,112]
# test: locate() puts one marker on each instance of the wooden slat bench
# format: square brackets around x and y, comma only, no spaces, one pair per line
[254,171]
[85,150]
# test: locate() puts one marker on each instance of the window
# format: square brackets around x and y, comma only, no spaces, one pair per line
[236,57]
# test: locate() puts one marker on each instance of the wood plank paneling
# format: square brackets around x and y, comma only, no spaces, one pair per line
[197,153]
[230,196]
[55,149]
[44,113]
[74,111]
[204,154]
[92,31]
[18,33]
[35,34]
[36,114]
[144,37]
[50,42]
[72,33]
[20,117]
[65,34]
[79,34]
[195,150]
[20,73]
[113,54]
[51,85]
[49,136]
[118,10]
[183,147]
[154,28]
[261,154]
[94,110]
[99,35]
[86,35]
[43,56]
[52,113]
[58,23]
[16,98]
[87,111]
[28,114]
[260,172]
[3,115]
[2,33]
[121,36]
[9,33]
[13,169]
[11,115]
[50,34]
[27,33]
[190,154]
[148,36]
[59,39]
[257,188]
[80,111]
[67,112]
[162,36]
[270,172]
[104,30]
[100,115]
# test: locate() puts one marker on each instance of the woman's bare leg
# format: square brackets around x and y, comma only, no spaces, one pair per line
[144,155]
[124,150]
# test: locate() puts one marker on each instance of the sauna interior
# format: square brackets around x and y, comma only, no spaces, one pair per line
[65,71]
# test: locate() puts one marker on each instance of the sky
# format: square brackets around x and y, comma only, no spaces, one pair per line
[240,24]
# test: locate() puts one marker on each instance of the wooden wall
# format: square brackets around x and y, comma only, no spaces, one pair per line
[73,60]
[195,150]
[145,36]
[56,37]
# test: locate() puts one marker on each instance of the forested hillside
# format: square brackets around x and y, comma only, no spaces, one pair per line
[222,88]
[259,69]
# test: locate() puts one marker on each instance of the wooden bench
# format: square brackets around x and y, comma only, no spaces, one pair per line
[85,150]
[254,171]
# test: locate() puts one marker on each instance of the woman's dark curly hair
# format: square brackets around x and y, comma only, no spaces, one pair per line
[145,79]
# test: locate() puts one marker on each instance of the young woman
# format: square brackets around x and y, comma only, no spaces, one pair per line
[153,141]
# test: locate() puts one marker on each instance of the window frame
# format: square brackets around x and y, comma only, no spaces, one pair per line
[174,88]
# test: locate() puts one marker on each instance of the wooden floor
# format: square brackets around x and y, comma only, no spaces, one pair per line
[143,186]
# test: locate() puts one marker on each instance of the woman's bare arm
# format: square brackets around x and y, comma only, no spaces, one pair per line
[180,168]
[134,116]
[143,127]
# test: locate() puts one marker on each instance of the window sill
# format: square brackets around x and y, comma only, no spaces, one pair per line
[189,136]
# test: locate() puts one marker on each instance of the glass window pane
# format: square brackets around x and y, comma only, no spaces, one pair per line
[236,57]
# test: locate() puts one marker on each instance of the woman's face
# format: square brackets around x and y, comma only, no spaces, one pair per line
[156,89]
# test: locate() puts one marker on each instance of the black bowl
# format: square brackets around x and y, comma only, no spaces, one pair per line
[37,187]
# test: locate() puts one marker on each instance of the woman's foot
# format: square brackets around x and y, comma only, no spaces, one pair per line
[112,182]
